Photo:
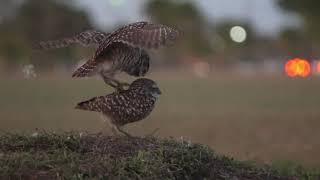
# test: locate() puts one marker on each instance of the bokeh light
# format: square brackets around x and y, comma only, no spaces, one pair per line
[29,71]
[201,69]
[298,67]
[318,67]
[238,34]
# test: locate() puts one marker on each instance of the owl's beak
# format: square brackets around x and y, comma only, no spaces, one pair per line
[158,91]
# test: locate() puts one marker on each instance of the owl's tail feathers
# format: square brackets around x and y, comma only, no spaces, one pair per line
[86,69]
[90,105]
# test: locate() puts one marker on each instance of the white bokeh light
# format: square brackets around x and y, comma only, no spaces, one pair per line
[29,71]
[238,34]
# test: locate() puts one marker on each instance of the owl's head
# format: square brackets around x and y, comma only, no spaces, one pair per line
[144,86]
[141,67]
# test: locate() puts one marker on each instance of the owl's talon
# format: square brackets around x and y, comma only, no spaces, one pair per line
[122,87]
[119,89]
[125,84]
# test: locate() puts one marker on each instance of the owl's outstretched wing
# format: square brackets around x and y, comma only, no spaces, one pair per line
[86,38]
[141,35]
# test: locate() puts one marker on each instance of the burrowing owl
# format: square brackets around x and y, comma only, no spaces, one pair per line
[127,106]
[121,50]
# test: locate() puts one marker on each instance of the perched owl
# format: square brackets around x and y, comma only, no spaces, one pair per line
[123,50]
[127,106]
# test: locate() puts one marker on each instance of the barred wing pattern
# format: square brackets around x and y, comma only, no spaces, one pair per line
[142,35]
[121,55]
[139,35]
[86,69]
[86,38]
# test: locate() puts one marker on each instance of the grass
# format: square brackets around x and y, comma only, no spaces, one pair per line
[95,156]
[263,119]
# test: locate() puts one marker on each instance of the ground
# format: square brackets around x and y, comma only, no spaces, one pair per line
[266,119]
[77,155]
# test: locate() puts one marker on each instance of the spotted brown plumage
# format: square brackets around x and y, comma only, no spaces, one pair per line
[126,106]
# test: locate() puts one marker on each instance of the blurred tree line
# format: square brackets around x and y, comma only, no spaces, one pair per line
[203,38]
[305,40]
[309,11]
[187,18]
[25,22]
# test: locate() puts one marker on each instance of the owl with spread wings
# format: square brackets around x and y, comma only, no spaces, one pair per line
[124,50]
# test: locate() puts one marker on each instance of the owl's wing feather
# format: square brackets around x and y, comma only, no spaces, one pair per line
[145,35]
[86,38]
[97,104]
[86,69]
[136,35]
[150,36]
[106,104]
[117,52]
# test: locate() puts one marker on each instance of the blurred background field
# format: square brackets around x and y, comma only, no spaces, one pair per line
[256,118]
[224,84]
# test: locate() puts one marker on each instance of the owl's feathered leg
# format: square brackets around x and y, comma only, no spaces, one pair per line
[116,129]
[119,86]
[111,83]
[123,131]
[110,124]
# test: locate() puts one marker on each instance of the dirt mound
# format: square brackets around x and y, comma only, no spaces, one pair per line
[81,156]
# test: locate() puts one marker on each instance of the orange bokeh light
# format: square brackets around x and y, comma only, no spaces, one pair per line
[298,67]
[318,67]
